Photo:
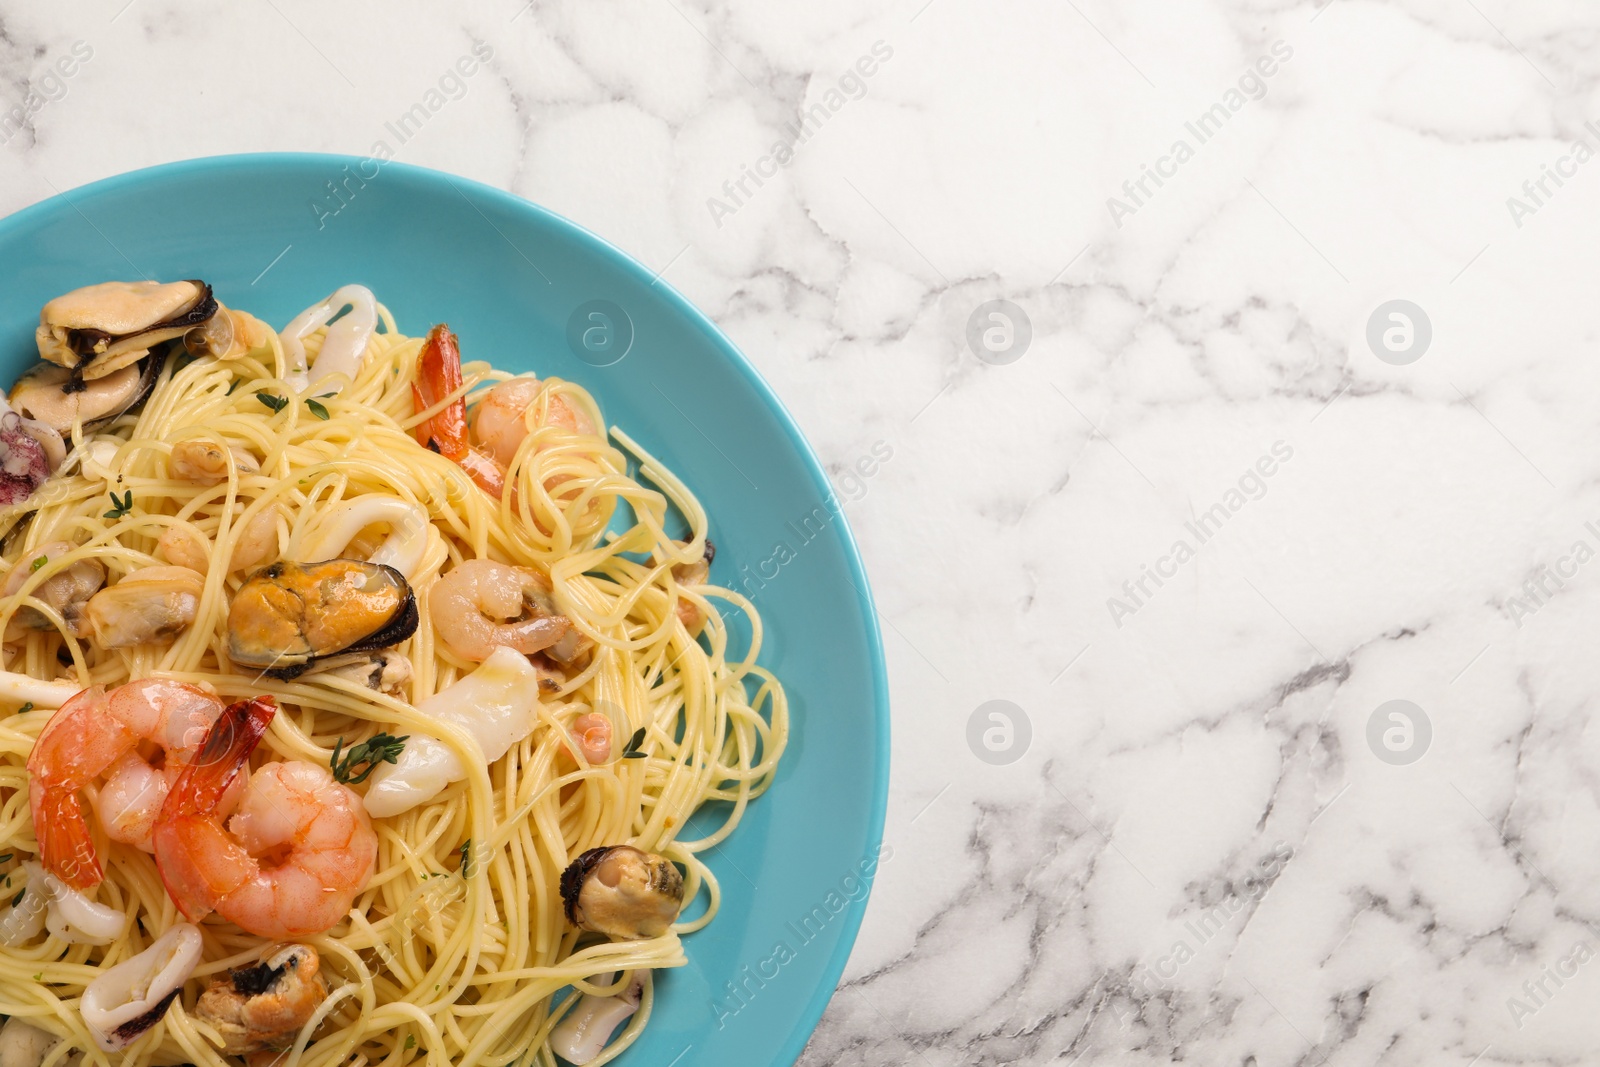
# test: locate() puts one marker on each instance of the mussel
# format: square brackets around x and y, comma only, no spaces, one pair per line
[623,892]
[148,604]
[58,397]
[228,334]
[264,1005]
[67,591]
[102,328]
[287,615]
[202,462]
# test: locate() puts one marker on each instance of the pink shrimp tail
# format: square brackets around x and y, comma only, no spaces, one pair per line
[199,863]
[65,846]
[62,760]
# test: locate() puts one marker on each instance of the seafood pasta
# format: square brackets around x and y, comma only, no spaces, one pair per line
[353,699]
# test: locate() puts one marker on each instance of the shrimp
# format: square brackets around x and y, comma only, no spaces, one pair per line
[184,545]
[691,574]
[480,605]
[96,734]
[293,858]
[439,375]
[500,421]
[257,544]
[592,732]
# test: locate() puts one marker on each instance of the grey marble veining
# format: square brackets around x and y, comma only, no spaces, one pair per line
[1196,537]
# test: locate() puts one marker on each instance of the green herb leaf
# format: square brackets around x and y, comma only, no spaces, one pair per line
[4,857]
[381,748]
[122,507]
[411,1042]
[273,401]
[235,384]
[466,858]
[634,743]
[39,977]
[26,707]
[40,562]
[317,409]
[18,898]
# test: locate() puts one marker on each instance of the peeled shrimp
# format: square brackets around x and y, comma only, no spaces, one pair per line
[500,421]
[592,733]
[480,605]
[692,574]
[291,860]
[97,734]
[257,543]
[183,545]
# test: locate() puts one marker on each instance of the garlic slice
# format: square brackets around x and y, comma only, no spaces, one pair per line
[133,996]
[584,1032]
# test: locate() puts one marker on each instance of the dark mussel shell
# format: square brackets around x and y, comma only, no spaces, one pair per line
[84,341]
[45,392]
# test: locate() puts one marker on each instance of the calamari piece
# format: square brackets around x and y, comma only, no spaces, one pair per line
[402,549]
[583,1033]
[343,345]
[46,902]
[498,704]
[24,1045]
[125,1001]
[29,453]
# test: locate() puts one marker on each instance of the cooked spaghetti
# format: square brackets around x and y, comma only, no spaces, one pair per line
[163,541]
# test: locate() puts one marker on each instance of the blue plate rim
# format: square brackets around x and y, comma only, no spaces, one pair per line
[797,1040]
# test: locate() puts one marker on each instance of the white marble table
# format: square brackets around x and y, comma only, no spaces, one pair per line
[1197,533]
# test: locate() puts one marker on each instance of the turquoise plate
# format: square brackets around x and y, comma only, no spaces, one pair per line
[530,291]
